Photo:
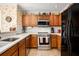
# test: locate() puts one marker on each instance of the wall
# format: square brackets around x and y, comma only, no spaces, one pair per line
[0,22]
[8,10]
[19,20]
[14,11]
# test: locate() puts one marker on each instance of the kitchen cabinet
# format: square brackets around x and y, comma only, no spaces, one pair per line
[56,41]
[60,20]
[16,53]
[33,41]
[59,42]
[51,20]
[27,45]
[11,51]
[55,20]
[22,49]
[26,20]
[29,20]
[33,21]
[24,46]
[53,41]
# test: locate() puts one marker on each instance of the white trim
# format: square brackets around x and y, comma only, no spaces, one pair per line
[66,7]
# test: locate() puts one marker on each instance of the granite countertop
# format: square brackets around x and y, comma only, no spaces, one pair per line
[59,34]
[7,45]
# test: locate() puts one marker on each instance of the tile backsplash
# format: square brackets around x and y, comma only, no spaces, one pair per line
[32,30]
[41,29]
[56,29]
[38,29]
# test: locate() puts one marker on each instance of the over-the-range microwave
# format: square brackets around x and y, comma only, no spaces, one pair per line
[43,23]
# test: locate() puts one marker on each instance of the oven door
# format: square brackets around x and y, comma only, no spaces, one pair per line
[44,41]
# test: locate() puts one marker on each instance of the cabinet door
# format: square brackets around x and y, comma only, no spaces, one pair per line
[26,20]
[33,21]
[51,20]
[27,44]
[59,42]
[53,41]
[59,20]
[56,20]
[33,41]
[22,49]
[15,53]
[10,51]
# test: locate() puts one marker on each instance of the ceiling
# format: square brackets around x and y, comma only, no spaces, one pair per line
[44,7]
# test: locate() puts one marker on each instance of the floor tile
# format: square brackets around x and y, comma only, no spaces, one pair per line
[50,52]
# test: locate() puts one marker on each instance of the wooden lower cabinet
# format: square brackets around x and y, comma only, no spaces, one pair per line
[11,51]
[27,44]
[34,41]
[19,49]
[22,49]
[55,41]
[15,53]
[59,42]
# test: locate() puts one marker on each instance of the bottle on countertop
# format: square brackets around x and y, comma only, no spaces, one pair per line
[52,30]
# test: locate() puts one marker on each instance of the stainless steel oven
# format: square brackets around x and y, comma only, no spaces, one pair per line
[42,23]
[43,40]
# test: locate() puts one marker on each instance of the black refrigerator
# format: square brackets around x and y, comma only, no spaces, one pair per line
[70,31]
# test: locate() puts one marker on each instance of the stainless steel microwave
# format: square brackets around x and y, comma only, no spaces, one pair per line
[43,23]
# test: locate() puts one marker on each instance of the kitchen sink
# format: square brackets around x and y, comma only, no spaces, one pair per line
[3,43]
[10,39]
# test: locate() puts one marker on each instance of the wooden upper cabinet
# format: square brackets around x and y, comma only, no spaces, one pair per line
[55,20]
[51,20]
[33,21]
[26,20]
[29,20]
[60,20]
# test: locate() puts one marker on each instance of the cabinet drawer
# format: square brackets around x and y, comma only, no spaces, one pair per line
[34,36]
[10,51]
